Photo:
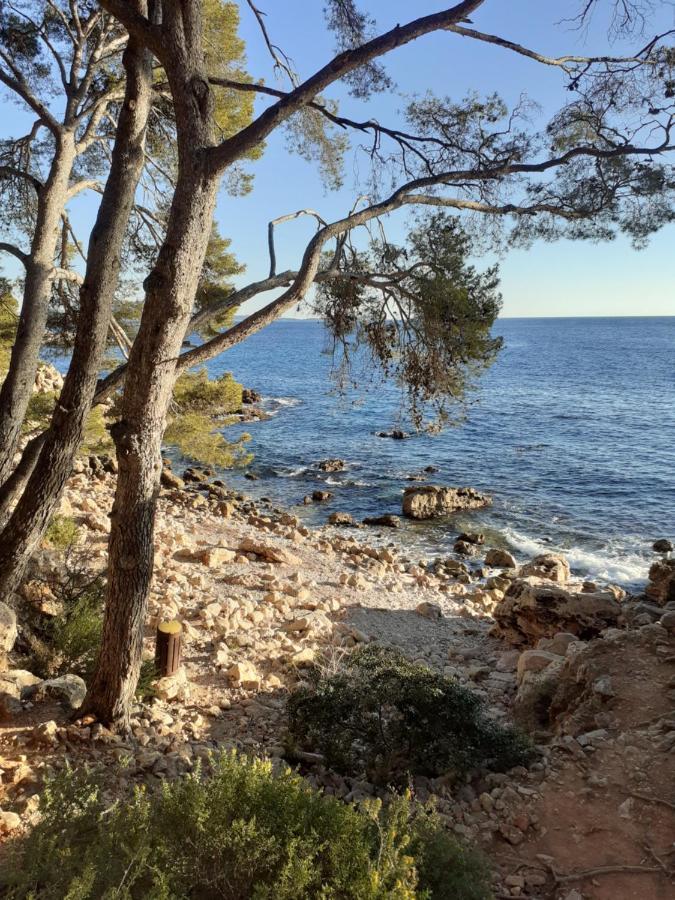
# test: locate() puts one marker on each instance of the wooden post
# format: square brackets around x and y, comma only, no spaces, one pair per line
[168,648]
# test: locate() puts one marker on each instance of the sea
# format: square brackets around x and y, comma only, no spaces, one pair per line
[571,431]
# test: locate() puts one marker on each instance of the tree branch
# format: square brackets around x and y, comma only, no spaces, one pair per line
[236,146]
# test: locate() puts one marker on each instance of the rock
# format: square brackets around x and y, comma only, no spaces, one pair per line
[195,475]
[396,434]
[268,551]
[304,657]
[341,518]
[245,675]
[429,610]
[45,733]
[471,537]
[321,496]
[69,689]
[464,548]
[558,643]
[249,396]
[497,558]
[532,703]
[661,587]
[550,566]
[662,546]
[434,500]
[9,821]
[8,629]
[667,621]
[535,661]
[173,687]
[531,610]
[331,465]
[386,521]
[214,557]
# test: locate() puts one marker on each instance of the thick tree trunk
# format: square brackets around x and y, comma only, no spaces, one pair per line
[18,385]
[169,298]
[31,516]
[138,438]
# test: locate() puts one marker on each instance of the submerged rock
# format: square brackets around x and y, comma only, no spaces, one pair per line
[435,500]
[386,521]
[331,465]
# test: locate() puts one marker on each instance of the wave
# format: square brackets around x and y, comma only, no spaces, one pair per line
[609,565]
[290,473]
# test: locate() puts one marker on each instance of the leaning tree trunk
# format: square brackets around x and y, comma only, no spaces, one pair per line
[18,385]
[169,298]
[30,518]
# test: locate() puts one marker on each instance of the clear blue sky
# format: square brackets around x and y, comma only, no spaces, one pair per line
[562,279]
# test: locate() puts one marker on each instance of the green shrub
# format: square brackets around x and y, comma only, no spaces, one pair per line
[61,533]
[381,713]
[196,392]
[240,833]
[197,437]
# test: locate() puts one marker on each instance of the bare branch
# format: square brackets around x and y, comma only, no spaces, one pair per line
[13,250]
[287,218]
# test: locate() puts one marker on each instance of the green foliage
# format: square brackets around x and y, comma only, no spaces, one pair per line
[214,283]
[61,533]
[69,640]
[195,435]
[196,392]
[240,833]
[425,315]
[381,713]
[202,406]
[8,323]
[96,439]
[39,411]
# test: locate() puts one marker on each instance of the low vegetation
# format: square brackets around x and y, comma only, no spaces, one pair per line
[240,833]
[380,713]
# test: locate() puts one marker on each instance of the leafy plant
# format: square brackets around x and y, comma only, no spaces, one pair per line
[61,533]
[240,833]
[385,715]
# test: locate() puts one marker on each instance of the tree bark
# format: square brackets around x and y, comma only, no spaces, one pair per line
[170,290]
[32,513]
[18,385]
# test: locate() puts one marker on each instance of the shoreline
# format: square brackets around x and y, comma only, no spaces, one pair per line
[262,599]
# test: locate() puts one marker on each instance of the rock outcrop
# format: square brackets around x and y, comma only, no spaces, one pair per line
[435,500]
[532,610]
[661,587]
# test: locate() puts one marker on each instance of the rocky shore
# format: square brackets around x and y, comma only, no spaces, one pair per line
[585,669]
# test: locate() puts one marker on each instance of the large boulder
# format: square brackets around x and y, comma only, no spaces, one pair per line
[435,500]
[70,690]
[661,587]
[500,559]
[532,610]
[551,566]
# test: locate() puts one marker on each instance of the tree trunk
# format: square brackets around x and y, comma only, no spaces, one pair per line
[31,516]
[18,385]
[169,298]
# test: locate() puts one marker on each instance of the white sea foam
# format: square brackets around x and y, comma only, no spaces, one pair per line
[611,564]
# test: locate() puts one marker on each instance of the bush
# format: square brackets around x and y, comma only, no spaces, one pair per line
[196,392]
[240,833]
[61,533]
[381,713]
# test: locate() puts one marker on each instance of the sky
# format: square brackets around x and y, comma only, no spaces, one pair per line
[561,279]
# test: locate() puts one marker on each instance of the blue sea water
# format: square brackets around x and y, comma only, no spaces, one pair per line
[572,431]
